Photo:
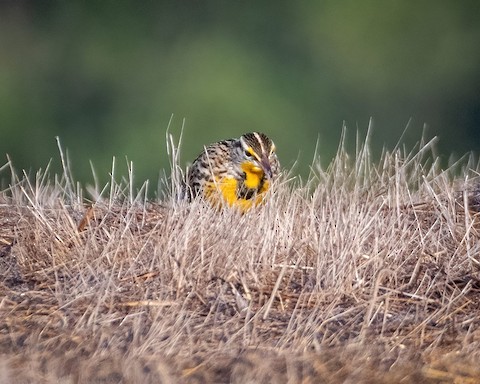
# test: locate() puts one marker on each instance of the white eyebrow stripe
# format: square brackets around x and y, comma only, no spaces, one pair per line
[257,136]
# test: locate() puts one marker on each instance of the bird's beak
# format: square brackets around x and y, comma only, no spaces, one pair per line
[266,167]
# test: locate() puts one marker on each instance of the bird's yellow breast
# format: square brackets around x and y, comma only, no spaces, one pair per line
[224,191]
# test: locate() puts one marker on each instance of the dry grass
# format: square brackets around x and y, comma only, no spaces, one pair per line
[366,273]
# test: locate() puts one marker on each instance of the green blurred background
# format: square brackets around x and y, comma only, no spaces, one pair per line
[106,77]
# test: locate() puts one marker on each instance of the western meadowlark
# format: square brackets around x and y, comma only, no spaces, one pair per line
[235,172]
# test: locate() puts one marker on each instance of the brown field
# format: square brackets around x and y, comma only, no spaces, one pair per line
[365,273]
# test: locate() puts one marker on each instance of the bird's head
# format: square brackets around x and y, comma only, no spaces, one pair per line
[258,155]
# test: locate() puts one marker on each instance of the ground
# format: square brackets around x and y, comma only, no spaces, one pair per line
[366,273]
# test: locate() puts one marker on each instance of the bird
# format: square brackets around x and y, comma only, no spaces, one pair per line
[234,172]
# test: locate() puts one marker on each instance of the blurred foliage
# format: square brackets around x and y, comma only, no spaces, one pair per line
[107,76]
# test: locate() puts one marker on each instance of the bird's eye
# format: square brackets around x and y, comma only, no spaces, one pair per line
[248,154]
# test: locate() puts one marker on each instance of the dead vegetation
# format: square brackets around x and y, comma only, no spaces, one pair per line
[366,273]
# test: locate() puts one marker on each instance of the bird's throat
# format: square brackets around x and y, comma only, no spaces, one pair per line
[253,175]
